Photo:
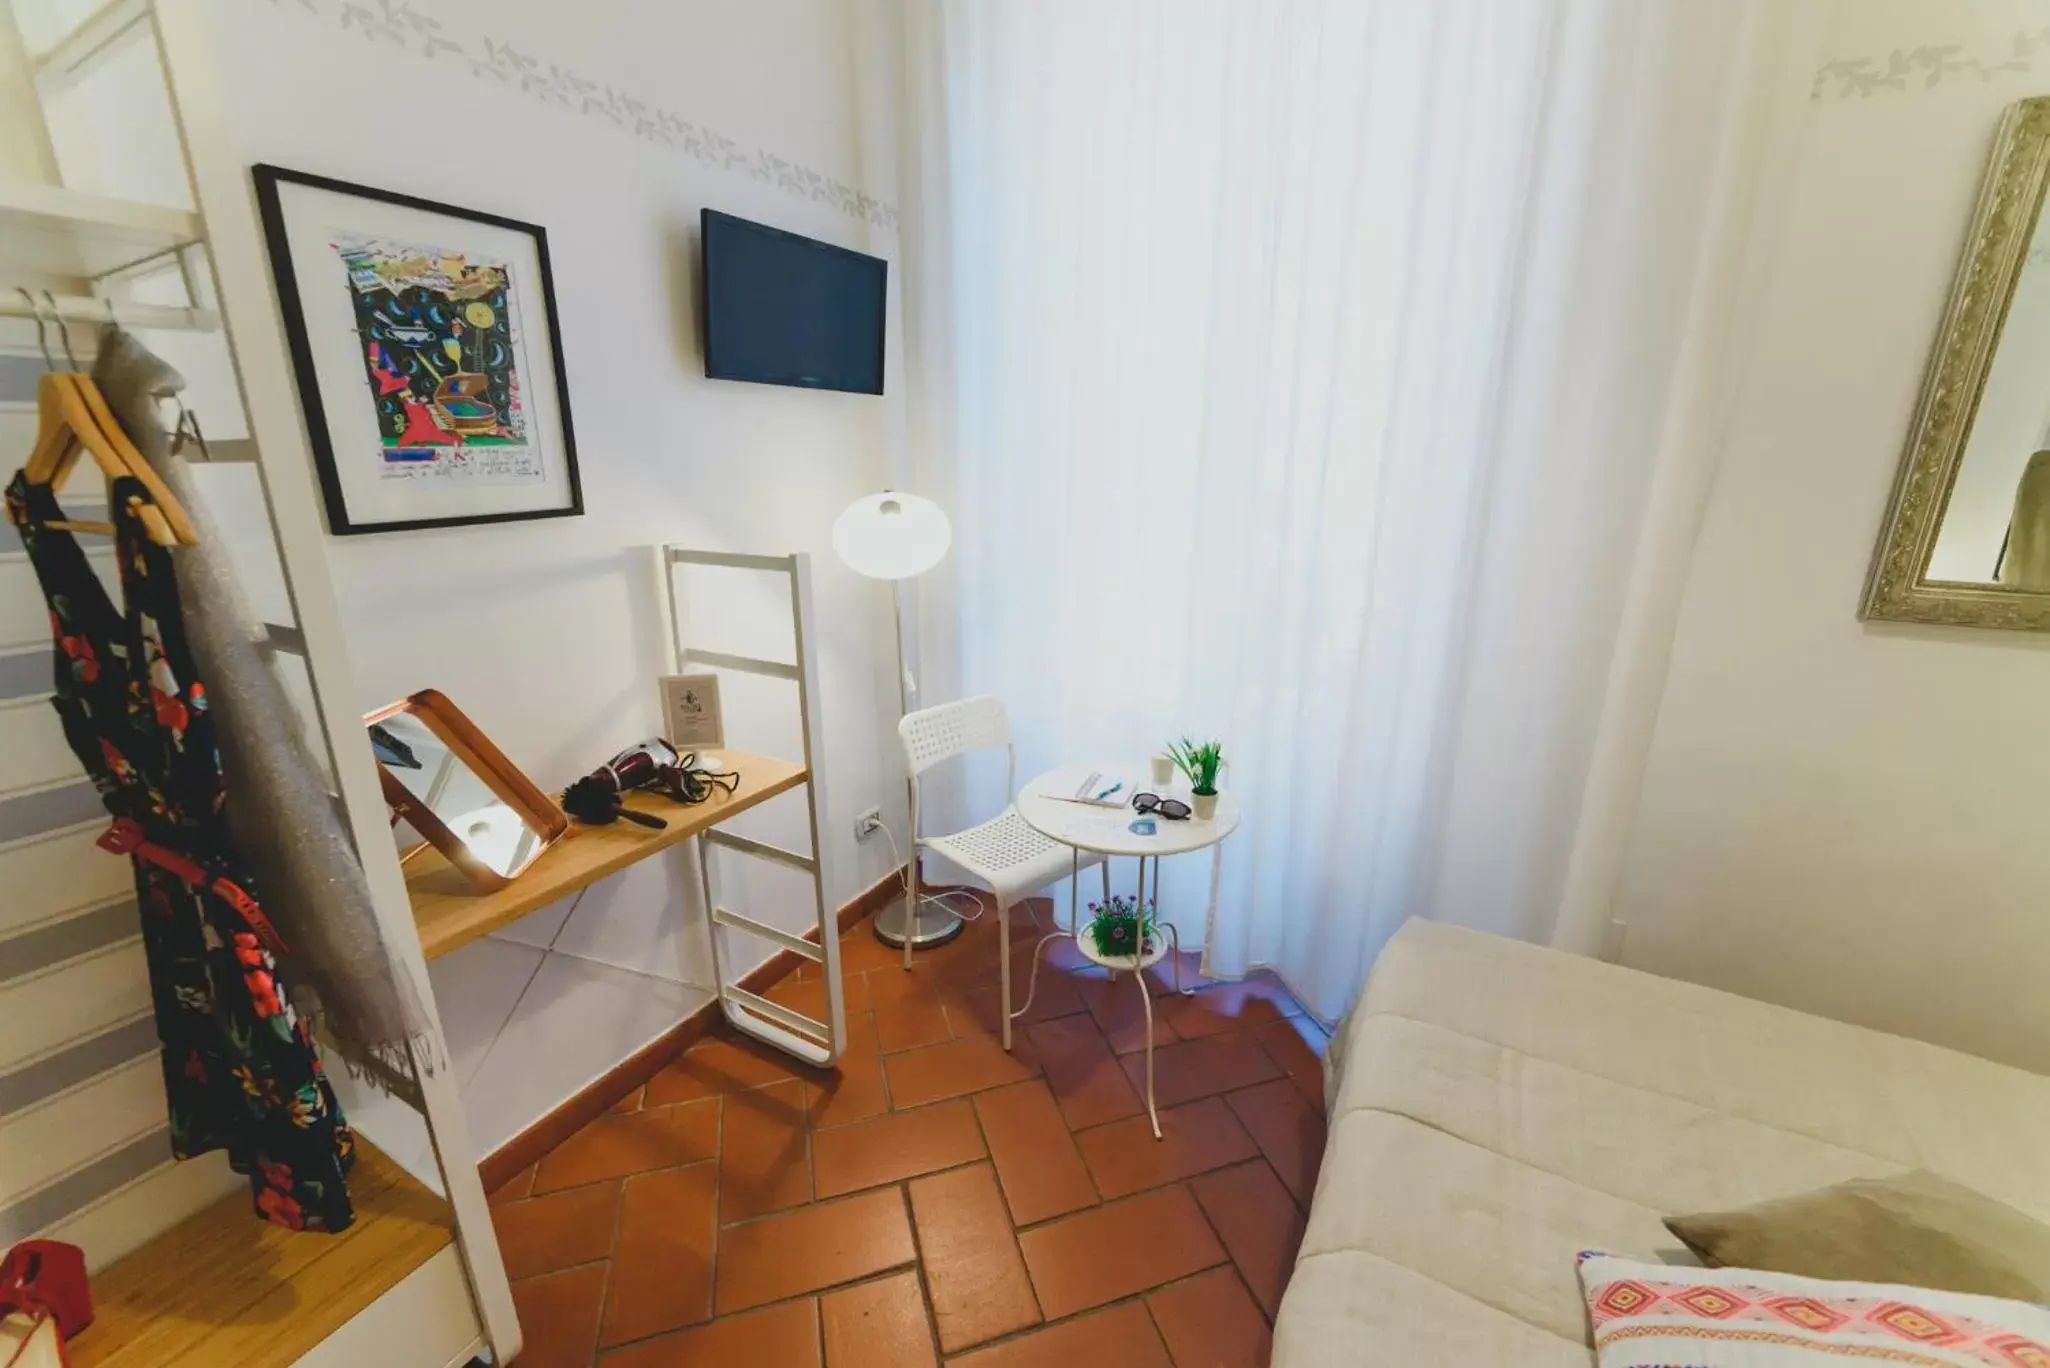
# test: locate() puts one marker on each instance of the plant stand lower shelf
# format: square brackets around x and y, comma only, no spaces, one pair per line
[1155,952]
[1165,939]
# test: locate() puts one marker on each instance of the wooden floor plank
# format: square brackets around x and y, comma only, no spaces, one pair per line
[224,1289]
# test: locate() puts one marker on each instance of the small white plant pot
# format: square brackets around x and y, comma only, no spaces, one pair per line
[1205,805]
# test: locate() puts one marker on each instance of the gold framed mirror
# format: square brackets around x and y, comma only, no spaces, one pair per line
[459,793]
[1966,540]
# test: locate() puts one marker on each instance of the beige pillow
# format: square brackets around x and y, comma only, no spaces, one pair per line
[1916,1229]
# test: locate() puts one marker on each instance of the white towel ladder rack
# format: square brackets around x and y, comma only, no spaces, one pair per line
[806,1038]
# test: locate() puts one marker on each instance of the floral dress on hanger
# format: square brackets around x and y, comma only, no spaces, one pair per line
[241,1072]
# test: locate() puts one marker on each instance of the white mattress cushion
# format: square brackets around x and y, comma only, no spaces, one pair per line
[1365,1312]
[1496,1231]
[1647,1147]
[1912,1104]
[1502,1107]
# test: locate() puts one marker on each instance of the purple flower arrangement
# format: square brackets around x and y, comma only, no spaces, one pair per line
[1120,928]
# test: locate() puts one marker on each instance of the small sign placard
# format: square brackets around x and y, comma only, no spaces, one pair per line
[690,712]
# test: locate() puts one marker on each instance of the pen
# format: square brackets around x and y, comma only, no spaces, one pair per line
[1109,791]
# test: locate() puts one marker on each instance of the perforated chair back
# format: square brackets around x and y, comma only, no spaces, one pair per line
[932,735]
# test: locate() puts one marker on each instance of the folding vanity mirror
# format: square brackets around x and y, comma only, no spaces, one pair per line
[445,779]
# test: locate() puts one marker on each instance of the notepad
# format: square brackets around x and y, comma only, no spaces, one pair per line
[1091,791]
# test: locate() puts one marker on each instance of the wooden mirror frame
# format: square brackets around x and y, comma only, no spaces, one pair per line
[542,815]
[1996,248]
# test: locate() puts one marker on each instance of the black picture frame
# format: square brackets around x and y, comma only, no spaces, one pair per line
[268,182]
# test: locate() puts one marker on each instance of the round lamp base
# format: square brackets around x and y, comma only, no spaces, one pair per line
[933,925]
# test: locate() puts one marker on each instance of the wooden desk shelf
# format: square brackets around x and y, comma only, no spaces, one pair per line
[224,1288]
[451,912]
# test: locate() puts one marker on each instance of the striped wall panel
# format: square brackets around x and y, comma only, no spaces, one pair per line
[33,1082]
[73,936]
[82,1134]
[25,676]
[24,616]
[33,742]
[29,814]
[50,875]
[59,1008]
[84,1151]
[86,1178]
[42,1143]
[131,1212]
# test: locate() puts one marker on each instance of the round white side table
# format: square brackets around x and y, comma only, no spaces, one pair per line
[1047,805]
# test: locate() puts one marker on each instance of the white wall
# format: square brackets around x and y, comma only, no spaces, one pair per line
[1844,817]
[547,633]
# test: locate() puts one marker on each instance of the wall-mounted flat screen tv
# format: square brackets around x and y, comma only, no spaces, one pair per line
[787,310]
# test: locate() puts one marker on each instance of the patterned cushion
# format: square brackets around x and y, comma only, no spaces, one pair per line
[1646,1315]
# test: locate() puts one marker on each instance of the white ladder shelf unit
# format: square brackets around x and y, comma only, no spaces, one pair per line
[256,336]
[818,1043]
[459,1303]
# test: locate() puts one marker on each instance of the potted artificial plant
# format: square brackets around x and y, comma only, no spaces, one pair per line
[1199,765]
[1120,928]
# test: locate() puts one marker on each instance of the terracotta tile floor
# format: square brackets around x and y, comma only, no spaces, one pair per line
[935,1199]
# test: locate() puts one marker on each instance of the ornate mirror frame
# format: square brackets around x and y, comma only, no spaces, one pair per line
[538,812]
[1996,248]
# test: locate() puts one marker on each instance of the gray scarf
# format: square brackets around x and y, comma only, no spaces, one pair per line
[284,821]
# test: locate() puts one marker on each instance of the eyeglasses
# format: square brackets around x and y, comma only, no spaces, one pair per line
[1174,809]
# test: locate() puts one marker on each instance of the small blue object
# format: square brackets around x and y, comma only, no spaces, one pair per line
[1143,827]
[1109,791]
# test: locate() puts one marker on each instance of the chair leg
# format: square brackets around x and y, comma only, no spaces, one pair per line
[1004,963]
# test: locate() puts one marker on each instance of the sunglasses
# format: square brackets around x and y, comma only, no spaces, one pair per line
[1174,809]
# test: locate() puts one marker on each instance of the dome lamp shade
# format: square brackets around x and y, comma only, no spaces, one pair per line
[892,535]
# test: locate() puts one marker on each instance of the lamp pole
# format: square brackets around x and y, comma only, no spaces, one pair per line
[895,536]
[927,923]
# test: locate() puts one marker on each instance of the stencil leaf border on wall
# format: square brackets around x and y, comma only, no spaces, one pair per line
[1905,70]
[404,25]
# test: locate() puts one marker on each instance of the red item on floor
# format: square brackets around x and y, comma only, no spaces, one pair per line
[45,1279]
[48,1275]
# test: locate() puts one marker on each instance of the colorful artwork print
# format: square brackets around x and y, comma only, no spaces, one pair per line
[440,337]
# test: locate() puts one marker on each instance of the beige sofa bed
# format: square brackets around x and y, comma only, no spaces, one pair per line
[1496,1107]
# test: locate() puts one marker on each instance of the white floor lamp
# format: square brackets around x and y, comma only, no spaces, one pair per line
[894,536]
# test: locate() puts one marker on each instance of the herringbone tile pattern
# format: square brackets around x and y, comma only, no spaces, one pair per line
[936,1199]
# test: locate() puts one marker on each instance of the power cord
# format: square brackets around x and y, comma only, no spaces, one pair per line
[938,900]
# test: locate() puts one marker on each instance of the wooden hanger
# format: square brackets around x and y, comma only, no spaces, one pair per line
[65,425]
[72,416]
[165,501]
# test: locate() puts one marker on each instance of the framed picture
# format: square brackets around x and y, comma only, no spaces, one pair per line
[430,367]
[690,712]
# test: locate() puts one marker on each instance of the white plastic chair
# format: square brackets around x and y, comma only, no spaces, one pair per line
[1006,854]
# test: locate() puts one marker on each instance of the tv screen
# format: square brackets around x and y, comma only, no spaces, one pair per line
[787,310]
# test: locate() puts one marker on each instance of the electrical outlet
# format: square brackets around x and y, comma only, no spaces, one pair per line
[868,823]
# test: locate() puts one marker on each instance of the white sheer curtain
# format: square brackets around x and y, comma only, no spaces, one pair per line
[1321,377]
